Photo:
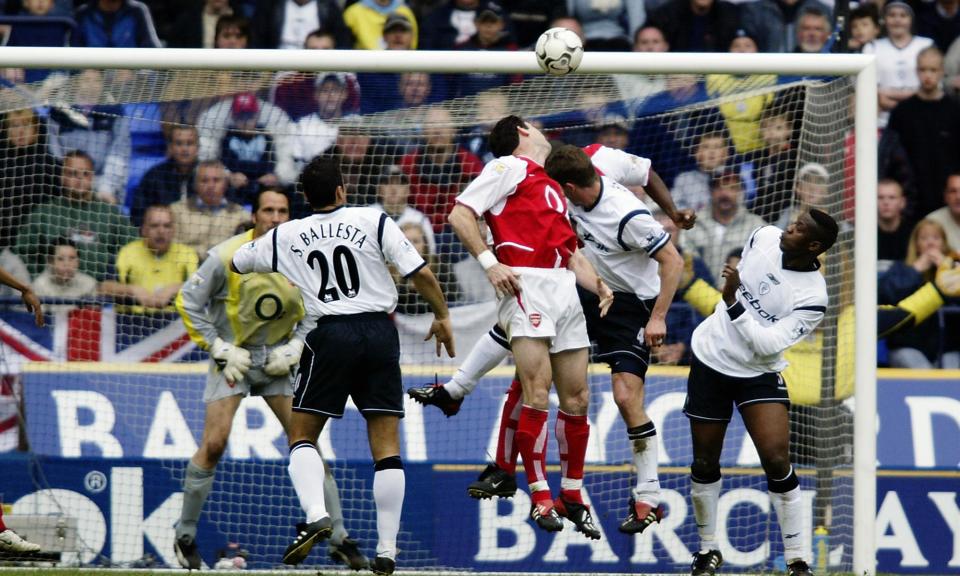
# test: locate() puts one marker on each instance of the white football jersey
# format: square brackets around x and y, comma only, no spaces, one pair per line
[620,166]
[620,237]
[338,259]
[775,309]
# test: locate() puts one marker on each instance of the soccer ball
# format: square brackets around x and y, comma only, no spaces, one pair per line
[559,51]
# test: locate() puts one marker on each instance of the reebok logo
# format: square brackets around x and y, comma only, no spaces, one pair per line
[788,536]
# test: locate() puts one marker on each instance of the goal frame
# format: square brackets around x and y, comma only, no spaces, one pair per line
[863,67]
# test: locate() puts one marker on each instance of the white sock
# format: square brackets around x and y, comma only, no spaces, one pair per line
[388,491]
[644,443]
[331,499]
[789,507]
[484,357]
[705,497]
[306,467]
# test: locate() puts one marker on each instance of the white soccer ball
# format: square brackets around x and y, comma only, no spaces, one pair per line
[559,51]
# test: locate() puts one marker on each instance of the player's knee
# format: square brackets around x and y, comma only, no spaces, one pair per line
[776,465]
[576,402]
[624,392]
[538,397]
[705,471]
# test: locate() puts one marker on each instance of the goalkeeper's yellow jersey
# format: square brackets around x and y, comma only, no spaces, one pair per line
[243,309]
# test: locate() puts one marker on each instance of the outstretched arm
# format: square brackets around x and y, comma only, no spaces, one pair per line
[658,191]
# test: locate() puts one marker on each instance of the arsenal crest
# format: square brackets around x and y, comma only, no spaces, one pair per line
[534,318]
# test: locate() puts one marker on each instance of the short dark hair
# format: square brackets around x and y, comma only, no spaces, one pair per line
[79,154]
[866,10]
[232,21]
[182,128]
[275,190]
[321,33]
[504,137]
[569,163]
[60,241]
[826,231]
[319,181]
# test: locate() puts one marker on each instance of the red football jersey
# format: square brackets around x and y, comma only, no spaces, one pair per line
[526,212]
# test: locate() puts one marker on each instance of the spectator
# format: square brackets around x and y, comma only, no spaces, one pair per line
[568,22]
[775,166]
[247,149]
[100,130]
[366,20]
[286,24]
[614,132]
[98,228]
[231,32]
[315,136]
[893,229]
[919,347]
[214,122]
[408,299]
[451,24]
[397,33]
[439,169]
[196,25]
[393,192]
[28,173]
[530,18]
[152,269]
[896,58]
[928,125]
[635,88]
[608,26]
[360,161]
[115,24]
[681,319]
[295,92]
[864,26]
[172,179]
[939,21]
[777,24]
[810,192]
[491,35]
[742,114]
[62,8]
[208,217]
[696,25]
[39,31]
[62,277]
[490,107]
[813,31]
[691,189]
[949,216]
[725,225]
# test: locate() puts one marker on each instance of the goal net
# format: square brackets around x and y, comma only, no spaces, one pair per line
[109,397]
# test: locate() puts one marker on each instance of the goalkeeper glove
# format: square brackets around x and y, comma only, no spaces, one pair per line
[232,360]
[283,358]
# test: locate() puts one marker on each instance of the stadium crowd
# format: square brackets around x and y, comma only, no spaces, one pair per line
[124,200]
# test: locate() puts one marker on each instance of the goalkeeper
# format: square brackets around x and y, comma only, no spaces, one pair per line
[249,325]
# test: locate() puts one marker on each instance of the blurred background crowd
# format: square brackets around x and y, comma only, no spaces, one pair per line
[107,197]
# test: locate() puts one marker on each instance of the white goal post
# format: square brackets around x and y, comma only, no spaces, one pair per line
[863,67]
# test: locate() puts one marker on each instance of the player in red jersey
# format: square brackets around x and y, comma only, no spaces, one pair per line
[535,270]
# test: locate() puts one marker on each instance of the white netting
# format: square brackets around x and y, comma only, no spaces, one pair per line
[784,143]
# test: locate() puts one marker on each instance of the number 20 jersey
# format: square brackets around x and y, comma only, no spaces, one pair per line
[338,259]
